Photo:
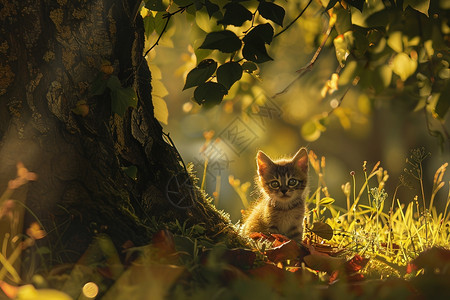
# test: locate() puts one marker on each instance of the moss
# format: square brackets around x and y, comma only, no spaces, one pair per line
[56,16]
[6,78]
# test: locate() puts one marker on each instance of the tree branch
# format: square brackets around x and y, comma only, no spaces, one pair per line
[293,21]
[309,66]
[168,16]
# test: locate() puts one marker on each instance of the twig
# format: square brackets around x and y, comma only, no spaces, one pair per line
[309,66]
[293,21]
[167,16]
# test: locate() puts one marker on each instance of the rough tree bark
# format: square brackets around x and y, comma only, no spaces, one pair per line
[50,53]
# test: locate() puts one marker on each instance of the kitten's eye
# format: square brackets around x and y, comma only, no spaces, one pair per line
[274,184]
[292,182]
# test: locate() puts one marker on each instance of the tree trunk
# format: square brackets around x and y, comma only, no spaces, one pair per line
[50,53]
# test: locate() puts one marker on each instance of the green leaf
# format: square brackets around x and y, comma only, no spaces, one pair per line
[182,3]
[160,22]
[256,52]
[98,86]
[225,41]
[343,20]
[160,109]
[131,171]
[359,4]
[381,78]
[380,19]
[261,33]
[229,73]
[331,4]
[341,48]
[443,103]
[323,230]
[349,73]
[395,41]
[235,14]
[211,8]
[113,83]
[254,48]
[155,5]
[209,94]
[419,5]
[149,24]
[249,67]
[121,99]
[271,11]
[201,73]
[206,22]
[403,65]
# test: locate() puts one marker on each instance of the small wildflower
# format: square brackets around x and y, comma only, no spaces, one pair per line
[352,173]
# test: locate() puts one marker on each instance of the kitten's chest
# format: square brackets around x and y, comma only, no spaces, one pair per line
[285,220]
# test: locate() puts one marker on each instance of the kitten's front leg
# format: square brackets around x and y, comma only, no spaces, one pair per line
[295,233]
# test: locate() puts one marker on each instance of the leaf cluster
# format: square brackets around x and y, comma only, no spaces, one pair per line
[388,49]
[246,48]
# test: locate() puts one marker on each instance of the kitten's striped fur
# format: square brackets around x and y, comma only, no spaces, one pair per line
[281,206]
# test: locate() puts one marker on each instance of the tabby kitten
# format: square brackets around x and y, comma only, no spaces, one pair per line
[281,207]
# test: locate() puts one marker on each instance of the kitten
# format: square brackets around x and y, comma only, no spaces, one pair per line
[281,207]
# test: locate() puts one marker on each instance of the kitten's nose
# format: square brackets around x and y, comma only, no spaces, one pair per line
[284,190]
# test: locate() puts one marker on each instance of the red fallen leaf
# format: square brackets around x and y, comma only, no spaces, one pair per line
[258,236]
[333,277]
[410,267]
[288,250]
[276,239]
[279,239]
[433,259]
[355,264]
[9,290]
[163,240]
[239,257]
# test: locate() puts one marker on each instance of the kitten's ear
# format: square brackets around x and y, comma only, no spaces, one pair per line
[301,159]
[263,162]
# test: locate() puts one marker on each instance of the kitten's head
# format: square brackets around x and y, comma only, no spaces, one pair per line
[283,180]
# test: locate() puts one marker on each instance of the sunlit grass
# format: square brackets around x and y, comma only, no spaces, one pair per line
[373,225]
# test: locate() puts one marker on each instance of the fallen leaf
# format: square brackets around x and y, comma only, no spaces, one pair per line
[9,290]
[164,241]
[287,250]
[239,257]
[144,282]
[324,263]
[278,239]
[355,264]
[433,259]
